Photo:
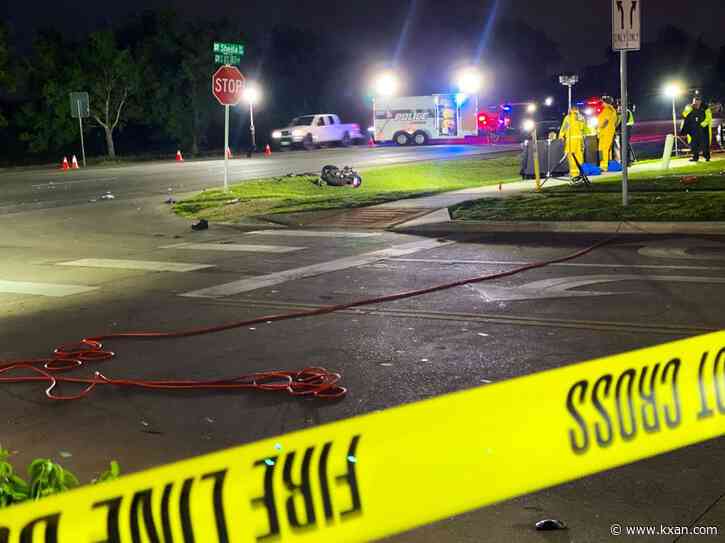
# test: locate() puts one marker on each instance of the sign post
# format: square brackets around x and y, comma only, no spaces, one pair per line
[80,107]
[227,86]
[626,36]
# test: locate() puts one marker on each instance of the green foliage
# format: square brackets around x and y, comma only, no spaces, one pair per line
[112,473]
[46,478]
[7,81]
[13,489]
[45,122]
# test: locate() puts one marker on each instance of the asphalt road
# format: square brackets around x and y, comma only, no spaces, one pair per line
[27,189]
[128,264]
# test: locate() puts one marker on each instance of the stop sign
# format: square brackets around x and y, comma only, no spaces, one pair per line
[227,85]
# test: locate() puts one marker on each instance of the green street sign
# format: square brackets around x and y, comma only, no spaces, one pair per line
[228,53]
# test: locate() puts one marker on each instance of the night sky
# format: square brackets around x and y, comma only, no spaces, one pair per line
[581,26]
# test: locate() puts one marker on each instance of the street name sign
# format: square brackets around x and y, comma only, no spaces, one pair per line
[228,53]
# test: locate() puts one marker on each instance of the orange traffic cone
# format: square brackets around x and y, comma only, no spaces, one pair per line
[229,153]
[268,150]
[179,158]
[65,166]
[74,162]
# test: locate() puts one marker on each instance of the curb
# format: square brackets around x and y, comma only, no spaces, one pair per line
[600,227]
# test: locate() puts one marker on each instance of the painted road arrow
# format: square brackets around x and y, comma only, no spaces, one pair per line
[560,287]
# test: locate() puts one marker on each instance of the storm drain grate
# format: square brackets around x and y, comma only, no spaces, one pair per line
[373,217]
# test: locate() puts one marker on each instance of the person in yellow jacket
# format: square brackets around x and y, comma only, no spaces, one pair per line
[607,126]
[572,132]
[706,125]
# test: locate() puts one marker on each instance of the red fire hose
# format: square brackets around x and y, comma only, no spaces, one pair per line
[311,382]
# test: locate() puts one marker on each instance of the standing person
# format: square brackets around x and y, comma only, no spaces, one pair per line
[707,131]
[572,132]
[607,125]
[628,129]
[694,128]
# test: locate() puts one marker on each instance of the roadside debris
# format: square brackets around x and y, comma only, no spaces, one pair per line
[108,196]
[201,224]
[548,525]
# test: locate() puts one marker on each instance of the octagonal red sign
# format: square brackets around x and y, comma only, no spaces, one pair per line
[227,85]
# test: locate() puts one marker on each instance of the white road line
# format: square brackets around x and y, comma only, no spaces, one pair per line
[315,233]
[565,264]
[234,247]
[147,265]
[254,283]
[55,183]
[54,290]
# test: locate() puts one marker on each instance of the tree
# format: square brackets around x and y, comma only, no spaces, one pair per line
[112,79]
[44,121]
[7,81]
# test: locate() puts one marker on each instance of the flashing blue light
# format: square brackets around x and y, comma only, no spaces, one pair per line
[461,99]
[507,108]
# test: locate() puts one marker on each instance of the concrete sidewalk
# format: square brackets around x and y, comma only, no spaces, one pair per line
[439,219]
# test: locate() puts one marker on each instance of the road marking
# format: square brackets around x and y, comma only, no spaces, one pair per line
[54,183]
[234,247]
[486,318]
[315,233]
[53,290]
[681,249]
[254,283]
[147,265]
[560,287]
[563,264]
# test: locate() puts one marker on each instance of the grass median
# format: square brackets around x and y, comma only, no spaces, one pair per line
[297,194]
[654,196]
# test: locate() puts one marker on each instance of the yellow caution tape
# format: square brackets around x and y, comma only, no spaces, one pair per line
[378,474]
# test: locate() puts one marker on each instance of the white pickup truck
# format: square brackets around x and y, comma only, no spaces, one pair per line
[310,131]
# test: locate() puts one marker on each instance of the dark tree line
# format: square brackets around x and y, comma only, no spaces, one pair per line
[148,78]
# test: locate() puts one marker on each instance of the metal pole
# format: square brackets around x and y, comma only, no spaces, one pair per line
[373,125]
[80,125]
[226,146]
[623,124]
[251,124]
[537,169]
[674,123]
[569,86]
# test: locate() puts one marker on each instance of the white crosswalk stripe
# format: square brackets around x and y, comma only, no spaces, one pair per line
[280,249]
[254,283]
[54,290]
[314,233]
[146,265]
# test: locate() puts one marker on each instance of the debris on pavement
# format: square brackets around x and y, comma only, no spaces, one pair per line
[548,525]
[201,224]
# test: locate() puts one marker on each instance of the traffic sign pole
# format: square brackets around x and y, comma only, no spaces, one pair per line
[623,124]
[226,147]
[80,125]
[626,36]
[227,85]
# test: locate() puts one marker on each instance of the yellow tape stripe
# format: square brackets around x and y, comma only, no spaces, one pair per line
[378,474]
